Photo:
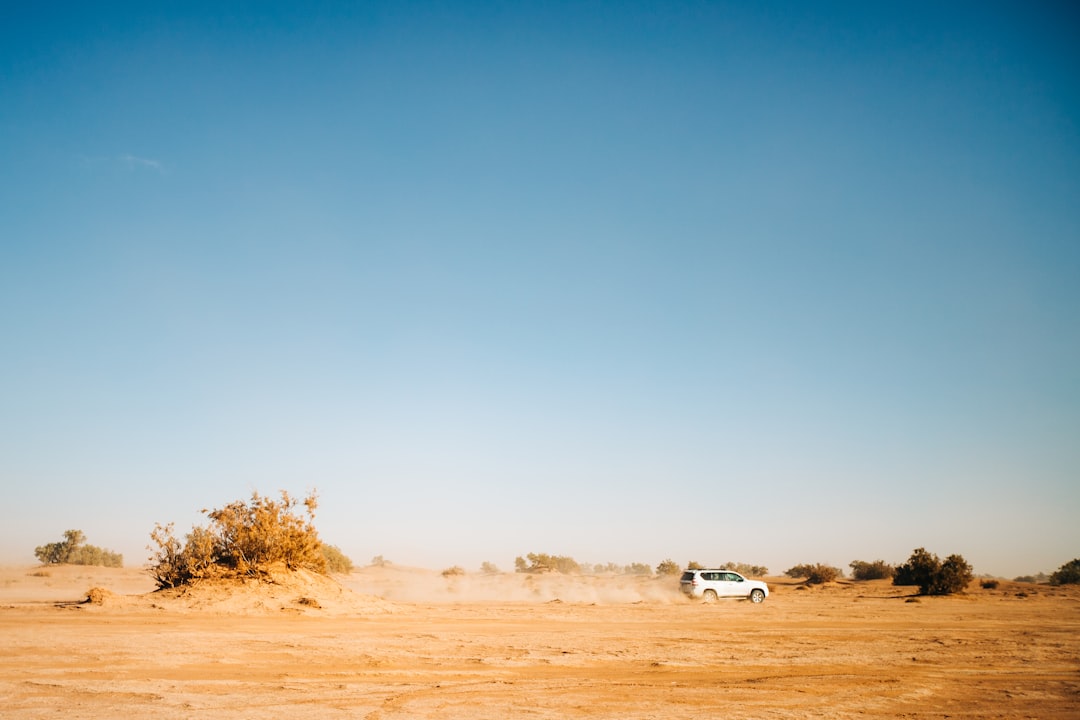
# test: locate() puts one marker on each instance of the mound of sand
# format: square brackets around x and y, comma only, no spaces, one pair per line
[297,592]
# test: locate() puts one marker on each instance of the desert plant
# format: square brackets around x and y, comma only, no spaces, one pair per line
[244,539]
[933,576]
[379,561]
[542,562]
[489,568]
[918,570]
[668,567]
[72,551]
[694,565]
[747,569]
[1067,574]
[454,571]
[877,570]
[1036,578]
[989,584]
[815,574]
[336,561]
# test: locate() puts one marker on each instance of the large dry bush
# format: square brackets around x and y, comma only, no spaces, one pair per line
[1067,574]
[243,539]
[72,551]
[933,576]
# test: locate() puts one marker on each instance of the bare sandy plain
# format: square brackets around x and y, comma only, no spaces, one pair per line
[390,643]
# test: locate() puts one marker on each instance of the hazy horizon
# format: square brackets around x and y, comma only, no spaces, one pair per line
[773,284]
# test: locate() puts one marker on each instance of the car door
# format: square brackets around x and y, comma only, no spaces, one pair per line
[730,585]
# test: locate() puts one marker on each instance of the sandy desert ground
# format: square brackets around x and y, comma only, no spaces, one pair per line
[389,643]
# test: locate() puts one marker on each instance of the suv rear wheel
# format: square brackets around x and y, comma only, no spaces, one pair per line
[709,596]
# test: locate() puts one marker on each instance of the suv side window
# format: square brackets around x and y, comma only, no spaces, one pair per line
[732,577]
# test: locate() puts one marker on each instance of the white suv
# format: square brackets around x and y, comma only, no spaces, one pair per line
[713,584]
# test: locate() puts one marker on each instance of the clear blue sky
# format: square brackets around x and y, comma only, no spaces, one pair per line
[773,283]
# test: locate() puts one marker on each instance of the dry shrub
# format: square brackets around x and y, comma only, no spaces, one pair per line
[816,574]
[243,540]
[542,562]
[668,567]
[747,569]
[454,571]
[933,576]
[97,596]
[1067,574]
[989,584]
[877,570]
[336,561]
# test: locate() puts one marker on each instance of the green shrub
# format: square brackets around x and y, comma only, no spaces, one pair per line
[72,551]
[244,539]
[932,576]
[877,570]
[668,567]
[1067,574]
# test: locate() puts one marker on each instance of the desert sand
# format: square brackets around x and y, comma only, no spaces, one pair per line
[392,642]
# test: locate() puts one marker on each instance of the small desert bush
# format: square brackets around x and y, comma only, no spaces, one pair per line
[989,584]
[542,562]
[694,565]
[454,571]
[877,570]
[816,574]
[668,567]
[1067,574]
[243,539]
[932,575]
[489,568]
[336,561]
[1036,578]
[72,551]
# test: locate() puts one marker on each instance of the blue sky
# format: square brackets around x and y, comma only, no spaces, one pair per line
[623,281]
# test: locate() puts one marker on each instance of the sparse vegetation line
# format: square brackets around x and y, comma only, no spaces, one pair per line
[72,550]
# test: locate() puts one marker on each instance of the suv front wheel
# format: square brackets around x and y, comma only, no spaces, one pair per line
[756,596]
